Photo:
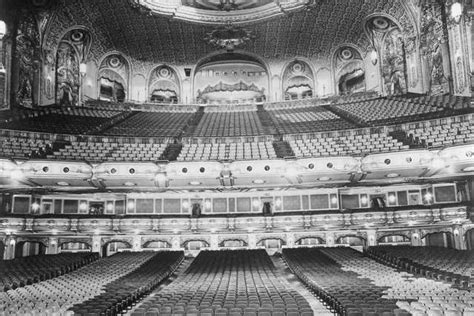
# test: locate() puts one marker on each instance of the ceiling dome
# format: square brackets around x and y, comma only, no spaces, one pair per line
[219,11]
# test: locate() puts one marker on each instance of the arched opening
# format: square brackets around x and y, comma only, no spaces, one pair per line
[298,81]
[233,243]
[470,239]
[349,70]
[271,243]
[163,85]
[113,78]
[114,246]
[230,78]
[394,239]
[351,240]
[195,244]
[310,241]
[439,239]
[156,244]
[29,248]
[75,246]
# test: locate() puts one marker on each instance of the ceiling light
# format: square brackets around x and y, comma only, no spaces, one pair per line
[392,175]
[62,183]
[194,183]
[258,181]
[324,179]
[468,169]
[129,184]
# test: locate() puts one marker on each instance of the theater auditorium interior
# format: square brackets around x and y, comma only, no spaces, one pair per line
[236,157]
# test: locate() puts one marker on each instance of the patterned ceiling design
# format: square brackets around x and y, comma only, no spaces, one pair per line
[313,33]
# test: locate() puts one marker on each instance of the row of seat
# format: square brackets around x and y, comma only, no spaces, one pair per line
[233,151]
[355,285]
[346,145]
[221,283]
[28,270]
[121,293]
[450,265]
[229,124]
[98,151]
[55,296]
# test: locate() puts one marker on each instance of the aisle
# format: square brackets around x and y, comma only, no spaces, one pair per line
[293,282]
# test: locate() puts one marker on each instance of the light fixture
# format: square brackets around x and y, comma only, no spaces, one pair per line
[130,205]
[185,204]
[374,57]
[456,11]
[35,206]
[82,69]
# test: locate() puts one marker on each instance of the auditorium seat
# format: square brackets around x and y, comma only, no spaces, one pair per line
[451,265]
[152,124]
[238,282]
[352,284]
[59,294]
[121,293]
[396,110]
[110,151]
[445,133]
[220,123]
[28,270]
[307,120]
[224,151]
[345,145]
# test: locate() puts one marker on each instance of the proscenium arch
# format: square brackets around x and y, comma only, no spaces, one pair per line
[209,58]
[285,67]
[130,70]
[177,74]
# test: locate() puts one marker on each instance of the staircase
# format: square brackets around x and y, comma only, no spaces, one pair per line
[189,129]
[413,142]
[266,120]
[171,152]
[283,149]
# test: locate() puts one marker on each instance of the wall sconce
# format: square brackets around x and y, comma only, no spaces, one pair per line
[83,69]
[374,57]
[456,11]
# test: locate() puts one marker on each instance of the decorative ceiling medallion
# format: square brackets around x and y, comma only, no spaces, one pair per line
[114,62]
[380,24]
[297,68]
[219,11]
[226,5]
[346,54]
[164,72]
[229,37]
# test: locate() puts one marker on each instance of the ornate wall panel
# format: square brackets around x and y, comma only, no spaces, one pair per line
[163,85]
[27,52]
[349,70]
[113,78]
[434,50]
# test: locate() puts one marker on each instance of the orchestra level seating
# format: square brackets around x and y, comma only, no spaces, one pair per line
[22,271]
[58,294]
[354,285]
[238,282]
[232,151]
[451,265]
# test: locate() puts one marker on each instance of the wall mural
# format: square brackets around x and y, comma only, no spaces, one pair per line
[230,82]
[113,78]
[349,70]
[434,47]
[73,50]
[163,86]
[298,81]
[27,50]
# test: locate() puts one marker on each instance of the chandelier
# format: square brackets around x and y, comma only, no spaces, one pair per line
[229,37]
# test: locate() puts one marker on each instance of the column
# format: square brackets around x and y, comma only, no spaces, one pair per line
[459,26]
[96,244]
[214,241]
[52,246]
[136,243]
[416,238]
[459,241]
[371,238]
[330,239]
[10,243]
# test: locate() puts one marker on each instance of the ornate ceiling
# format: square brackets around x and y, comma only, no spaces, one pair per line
[312,31]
